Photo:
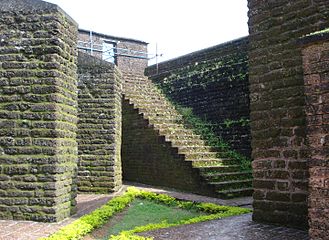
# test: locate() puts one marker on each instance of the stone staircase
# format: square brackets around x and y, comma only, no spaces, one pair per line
[222,174]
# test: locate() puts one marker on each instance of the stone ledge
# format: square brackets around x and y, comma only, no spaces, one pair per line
[87,61]
[319,36]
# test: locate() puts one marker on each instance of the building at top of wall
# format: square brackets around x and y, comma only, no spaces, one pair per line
[130,55]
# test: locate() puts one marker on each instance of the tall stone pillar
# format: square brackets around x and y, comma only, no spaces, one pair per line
[316,79]
[38,109]
[99,127]
[278,121]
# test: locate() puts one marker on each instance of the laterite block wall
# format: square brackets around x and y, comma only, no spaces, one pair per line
[38,115]
[99,126]
[316,79]
[277,104]
[132,64]
[214,83]
[148,158]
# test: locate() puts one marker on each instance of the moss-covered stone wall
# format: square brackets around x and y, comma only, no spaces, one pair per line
[99,126]
[38,115]
[277,103]
[147,158]
[214,83]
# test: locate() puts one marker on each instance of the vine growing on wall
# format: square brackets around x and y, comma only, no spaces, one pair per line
[240,122]
[204,129]
[202,74]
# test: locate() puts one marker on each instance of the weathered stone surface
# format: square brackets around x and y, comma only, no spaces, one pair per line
[38,112]
[26,5]
[214,83]
[315,59]
[278,121]
[99,127]
[232,228]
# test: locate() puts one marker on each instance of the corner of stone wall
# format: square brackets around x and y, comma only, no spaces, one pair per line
[315,49]
[99,127]
[38,115]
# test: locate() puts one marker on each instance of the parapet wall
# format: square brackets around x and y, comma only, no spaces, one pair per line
[277,103]
[38,99]
[214,83]
[99,126]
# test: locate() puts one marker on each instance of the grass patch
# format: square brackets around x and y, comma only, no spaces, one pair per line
[199,212]
[143,212]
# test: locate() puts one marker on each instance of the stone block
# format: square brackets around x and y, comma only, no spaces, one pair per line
[99,129]
[33,71]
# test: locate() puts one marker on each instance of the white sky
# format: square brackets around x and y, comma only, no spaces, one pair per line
[177,26]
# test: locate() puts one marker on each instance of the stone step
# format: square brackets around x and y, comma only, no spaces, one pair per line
[173,131]
[212,162]
[137,80]
[142,102]
[180,129]
[131,86]
[137,84]
[155,107]
[151,102]
[170,125]
[218,177]
[232,184]
[233,193]
[187,142]
[159,116]
[136,93]
[155,121]
[218,168]
[171,138]
[140,86]
[189,149]
[158,111]
[200,155]
[144,96]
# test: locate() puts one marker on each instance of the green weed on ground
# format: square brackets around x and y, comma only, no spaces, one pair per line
[143,212]
[207,211]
